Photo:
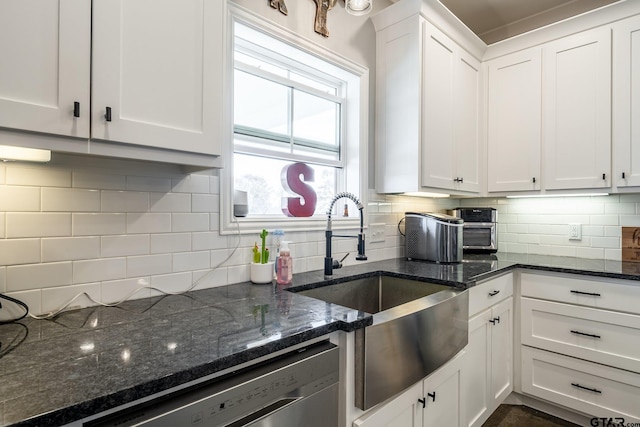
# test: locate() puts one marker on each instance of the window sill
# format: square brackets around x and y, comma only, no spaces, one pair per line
[255,225]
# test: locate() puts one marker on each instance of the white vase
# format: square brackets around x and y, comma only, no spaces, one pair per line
[262,273]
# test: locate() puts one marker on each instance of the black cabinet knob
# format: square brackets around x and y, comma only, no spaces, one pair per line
[76,109]
[107,115]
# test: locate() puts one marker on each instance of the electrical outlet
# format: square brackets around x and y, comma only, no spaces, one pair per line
[575,231]
[376,233]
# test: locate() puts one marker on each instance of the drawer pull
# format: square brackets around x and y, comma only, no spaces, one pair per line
[432,396]
[494,293]
[495,320]
[591,294]
[423,401]
[586,388]
[586,335]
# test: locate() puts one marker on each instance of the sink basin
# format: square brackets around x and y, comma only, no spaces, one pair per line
[417,327]
[374,294]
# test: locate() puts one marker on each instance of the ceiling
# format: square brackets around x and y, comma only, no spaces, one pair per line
[495,20]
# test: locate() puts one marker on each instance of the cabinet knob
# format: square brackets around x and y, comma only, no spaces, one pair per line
[432,396]
[495,320]
[423,401]
[107,115]
[76,109]
[534,179]
[604,176]
[623,176]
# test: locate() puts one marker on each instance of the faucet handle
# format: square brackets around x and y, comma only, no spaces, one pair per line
[338,264]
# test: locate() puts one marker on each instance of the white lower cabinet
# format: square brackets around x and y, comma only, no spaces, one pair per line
[579,338]
[488,377]
[435,401]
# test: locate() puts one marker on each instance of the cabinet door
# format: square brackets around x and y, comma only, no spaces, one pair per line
[398,106]
[402,411]
[514,122]
[158,67]
[466,122]
[45,62]
[475,382]
[577,111]
[626,101]
[501,351]
[442,395]
[438,149]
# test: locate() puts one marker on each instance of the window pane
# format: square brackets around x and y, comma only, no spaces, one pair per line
[260,178]
[315,119]
[260,103]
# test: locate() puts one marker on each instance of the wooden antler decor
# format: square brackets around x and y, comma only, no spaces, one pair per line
[280,5]
[322,7]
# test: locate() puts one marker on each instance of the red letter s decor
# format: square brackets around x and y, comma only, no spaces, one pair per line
[291,181]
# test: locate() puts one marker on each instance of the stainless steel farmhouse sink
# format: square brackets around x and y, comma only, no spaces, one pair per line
[417,327]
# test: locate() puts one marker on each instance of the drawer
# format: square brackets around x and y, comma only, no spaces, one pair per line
[597,390]
[601,336]
[488,293]
[610,294]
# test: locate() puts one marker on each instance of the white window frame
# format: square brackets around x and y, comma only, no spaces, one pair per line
[355,142]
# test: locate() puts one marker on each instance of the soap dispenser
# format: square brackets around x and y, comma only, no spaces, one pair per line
[284,271]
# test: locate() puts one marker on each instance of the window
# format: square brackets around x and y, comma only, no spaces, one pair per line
[292,103]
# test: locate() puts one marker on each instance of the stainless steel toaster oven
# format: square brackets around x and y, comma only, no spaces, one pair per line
[480,229]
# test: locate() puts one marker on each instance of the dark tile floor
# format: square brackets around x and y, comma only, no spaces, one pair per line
[522,416]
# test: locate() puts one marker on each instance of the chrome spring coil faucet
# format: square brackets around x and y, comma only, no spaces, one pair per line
[329,263]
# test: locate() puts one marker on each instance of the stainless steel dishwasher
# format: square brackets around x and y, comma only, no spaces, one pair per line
[295,389]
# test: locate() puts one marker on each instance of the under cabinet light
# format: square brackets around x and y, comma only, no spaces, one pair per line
[425,194]
[9,153]
[544,196]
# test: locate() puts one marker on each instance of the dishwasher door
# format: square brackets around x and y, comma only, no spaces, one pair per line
[299,388]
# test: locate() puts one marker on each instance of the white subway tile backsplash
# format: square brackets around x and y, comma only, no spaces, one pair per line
[592,253]
[172,242]
[176,282]
[19,199]
[205,203]
[124,201]
[629,221]
[70,200]
[214,222]
[119,246]
[148,265]
[43,176]
[210,278]
[19,251]
[98,224]
[170,202]
[189,261]
[98,180]
[2,225]
[605,242]
[32,298]
[148,223]
[214,184]
[613,254]
[181,222]
[113,291]
[70,248]
[39,276]
[36,224]
[3,279]
[208,240]
[3,173]
[613,231]
[98,270]
[148,183]
[239,273]
[620,208]
[54,298]
[194,183]
[604,220]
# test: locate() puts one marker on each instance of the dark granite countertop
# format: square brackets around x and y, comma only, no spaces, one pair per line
[86,361]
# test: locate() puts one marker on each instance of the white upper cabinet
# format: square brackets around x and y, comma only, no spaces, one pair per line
[45,54]
[514,122]
[428,111]
[157,67]
[157,72]
[450,115]
[577,111]
[626,102]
